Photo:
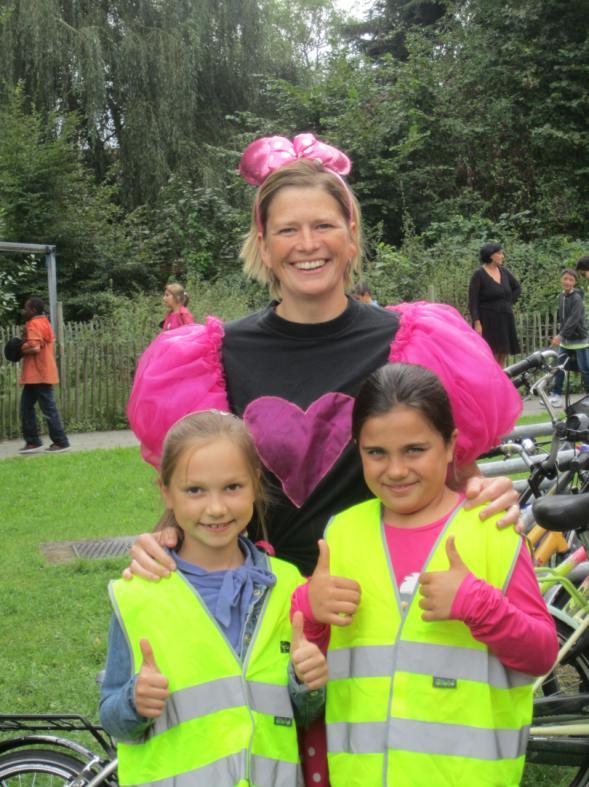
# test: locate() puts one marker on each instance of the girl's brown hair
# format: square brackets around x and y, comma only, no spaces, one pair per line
[405,384]
[303,173]
[203,427]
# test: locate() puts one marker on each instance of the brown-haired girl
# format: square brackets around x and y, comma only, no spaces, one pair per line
[431,669]
[176,300]
[198,679]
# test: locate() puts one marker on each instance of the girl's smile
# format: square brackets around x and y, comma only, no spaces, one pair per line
[212,496]
[405,462]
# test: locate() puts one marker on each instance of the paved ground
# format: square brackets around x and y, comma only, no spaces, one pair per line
[89,441]
[83,441]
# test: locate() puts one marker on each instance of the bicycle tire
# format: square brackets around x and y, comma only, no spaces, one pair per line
[572,676]
[560,762]
[38,768]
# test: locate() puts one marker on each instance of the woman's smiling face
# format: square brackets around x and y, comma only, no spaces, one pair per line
[307,244]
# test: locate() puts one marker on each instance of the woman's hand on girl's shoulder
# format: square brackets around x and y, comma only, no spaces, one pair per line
[499,493]
[148,556]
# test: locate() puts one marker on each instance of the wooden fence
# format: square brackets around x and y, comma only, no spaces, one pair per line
[97,365]
[96,371]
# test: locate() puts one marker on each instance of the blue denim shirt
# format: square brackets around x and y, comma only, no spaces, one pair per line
[117,707]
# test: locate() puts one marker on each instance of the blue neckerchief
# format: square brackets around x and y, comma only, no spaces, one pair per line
[228,594]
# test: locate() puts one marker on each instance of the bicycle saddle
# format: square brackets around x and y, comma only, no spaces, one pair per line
[562,512]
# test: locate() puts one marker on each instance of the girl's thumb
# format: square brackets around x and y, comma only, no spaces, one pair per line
[297,630]
[453,555]
[147,653]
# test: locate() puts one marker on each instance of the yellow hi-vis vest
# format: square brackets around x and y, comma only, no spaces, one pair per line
[224,723]
[410,702]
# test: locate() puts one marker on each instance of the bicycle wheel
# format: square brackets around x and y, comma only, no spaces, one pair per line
[38,768]
[556,761]
[572,675]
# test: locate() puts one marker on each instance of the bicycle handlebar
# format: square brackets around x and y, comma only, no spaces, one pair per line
[537,360]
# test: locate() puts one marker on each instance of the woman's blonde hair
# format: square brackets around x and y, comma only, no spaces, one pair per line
[198,428]
[178,292]
[303,173]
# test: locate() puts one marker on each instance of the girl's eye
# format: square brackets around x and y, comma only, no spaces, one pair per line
[415,449]
[325,225]
[194,490]
[233,487]
[376,452]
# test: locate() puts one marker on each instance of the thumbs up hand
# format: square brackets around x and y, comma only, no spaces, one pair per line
[310,665]
[151,687]
[334,600]
[439,588]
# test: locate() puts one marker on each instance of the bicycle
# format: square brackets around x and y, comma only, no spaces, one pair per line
[40,758]
[559,736]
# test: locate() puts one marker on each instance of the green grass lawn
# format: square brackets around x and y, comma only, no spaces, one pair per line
[54,618]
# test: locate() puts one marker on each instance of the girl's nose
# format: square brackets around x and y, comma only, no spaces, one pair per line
[216,506]
[397,467]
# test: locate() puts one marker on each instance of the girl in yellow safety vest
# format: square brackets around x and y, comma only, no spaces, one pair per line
[204,667]
[434,623]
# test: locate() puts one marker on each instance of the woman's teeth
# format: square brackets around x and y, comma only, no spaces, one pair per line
[309,265]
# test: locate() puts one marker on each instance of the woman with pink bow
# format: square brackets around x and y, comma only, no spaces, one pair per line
[292,370]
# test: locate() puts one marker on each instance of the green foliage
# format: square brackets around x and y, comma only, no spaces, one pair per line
[467,122]
[12,275]
[438,264]
[47,196]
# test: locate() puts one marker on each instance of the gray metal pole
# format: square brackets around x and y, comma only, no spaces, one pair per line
[51,266]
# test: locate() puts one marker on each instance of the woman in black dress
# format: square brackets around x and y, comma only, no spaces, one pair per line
[491,293]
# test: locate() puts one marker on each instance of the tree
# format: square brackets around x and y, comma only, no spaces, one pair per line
[151,82]
[48,196]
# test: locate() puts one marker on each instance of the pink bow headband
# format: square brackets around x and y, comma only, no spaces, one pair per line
[264,156]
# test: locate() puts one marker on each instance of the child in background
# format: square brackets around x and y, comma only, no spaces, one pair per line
[429,673]
[572,339]
[204,667]
[39,375]
[175,300]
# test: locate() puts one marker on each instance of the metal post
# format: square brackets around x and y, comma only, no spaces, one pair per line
[52,286]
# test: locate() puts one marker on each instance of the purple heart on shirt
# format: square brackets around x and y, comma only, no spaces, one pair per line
[300,446]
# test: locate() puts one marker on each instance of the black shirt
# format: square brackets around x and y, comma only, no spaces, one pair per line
[282,377]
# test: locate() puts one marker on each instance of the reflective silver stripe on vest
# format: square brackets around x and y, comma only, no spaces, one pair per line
[231,770]
[457,740]
[270,699]
[216,695]
[423,658]
[458,663]
[227,770]
[274,773]
[367,661]
[368,737]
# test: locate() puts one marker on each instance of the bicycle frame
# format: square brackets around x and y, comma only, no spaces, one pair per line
[96,769]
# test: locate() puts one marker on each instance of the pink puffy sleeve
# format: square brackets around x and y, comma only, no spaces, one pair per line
[179,373]
[484,402]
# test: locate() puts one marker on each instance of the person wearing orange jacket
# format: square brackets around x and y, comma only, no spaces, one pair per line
[39,375]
